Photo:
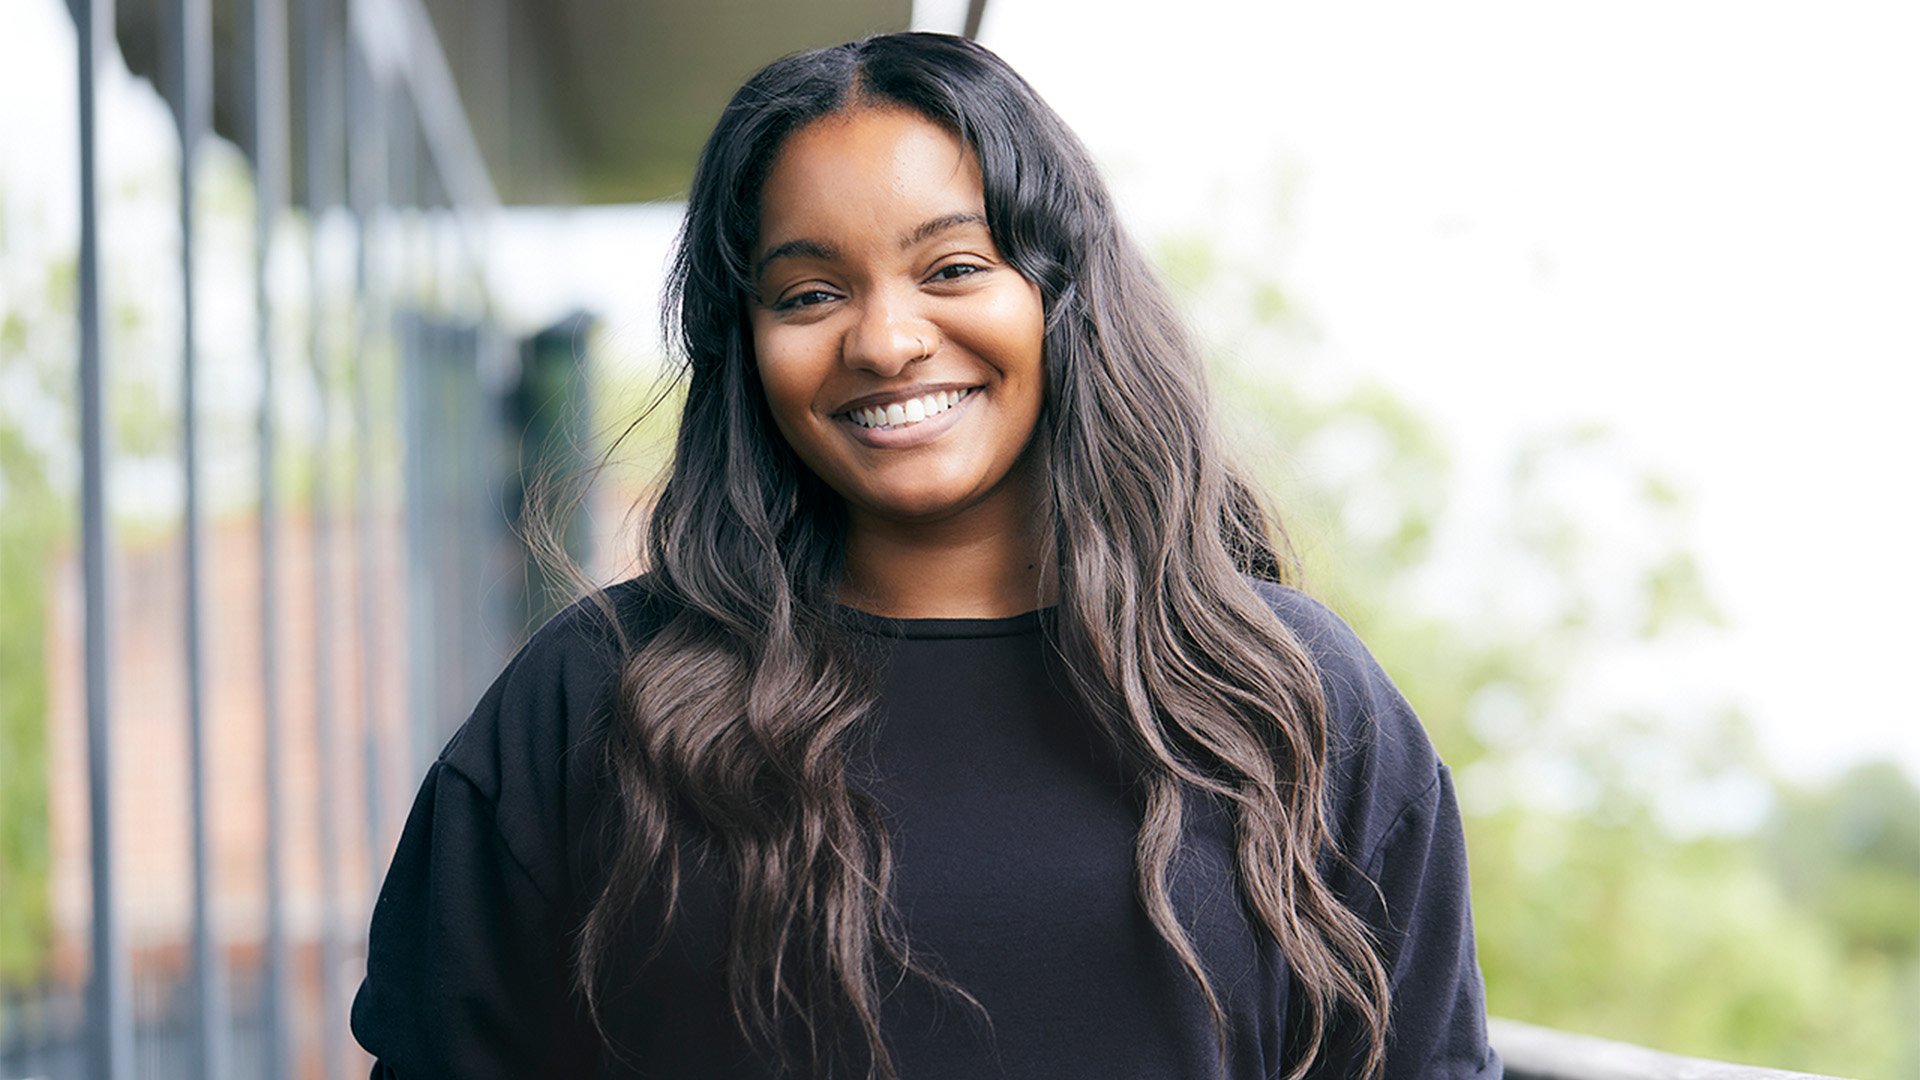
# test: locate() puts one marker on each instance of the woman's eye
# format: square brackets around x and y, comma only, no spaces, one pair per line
[802,299]
[956,271]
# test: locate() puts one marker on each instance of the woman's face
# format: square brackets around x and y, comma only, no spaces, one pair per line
[900,353]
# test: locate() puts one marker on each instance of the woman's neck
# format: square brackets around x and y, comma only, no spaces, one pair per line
[964,569]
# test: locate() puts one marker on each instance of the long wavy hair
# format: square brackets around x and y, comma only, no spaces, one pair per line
[735,718]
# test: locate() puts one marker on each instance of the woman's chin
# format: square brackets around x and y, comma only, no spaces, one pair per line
[922,505]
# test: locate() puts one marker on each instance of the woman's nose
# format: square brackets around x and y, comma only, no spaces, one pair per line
[887,336]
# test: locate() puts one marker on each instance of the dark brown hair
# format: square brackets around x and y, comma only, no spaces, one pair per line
[737,714]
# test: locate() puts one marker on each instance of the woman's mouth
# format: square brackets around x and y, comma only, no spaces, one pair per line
[907,413]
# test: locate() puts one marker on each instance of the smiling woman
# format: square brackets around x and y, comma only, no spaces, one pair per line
[962,725]
[901,358]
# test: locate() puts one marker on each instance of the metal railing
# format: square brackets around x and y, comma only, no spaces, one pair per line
[1537,1053]
[346,583]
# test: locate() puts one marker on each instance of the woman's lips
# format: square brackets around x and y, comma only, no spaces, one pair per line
[913,410]
[907,421]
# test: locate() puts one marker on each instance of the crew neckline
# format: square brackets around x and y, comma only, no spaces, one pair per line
[887,626]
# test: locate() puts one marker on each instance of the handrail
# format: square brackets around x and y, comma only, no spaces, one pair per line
[1537,1053]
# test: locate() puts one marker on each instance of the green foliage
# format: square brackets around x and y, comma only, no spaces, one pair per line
[1620,931]
[636,410]
[35,342]
[28,529]
[1796,951]
[1851,852]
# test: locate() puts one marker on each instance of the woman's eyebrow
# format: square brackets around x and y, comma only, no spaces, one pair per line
[814,249]
[935,226]
[802,249]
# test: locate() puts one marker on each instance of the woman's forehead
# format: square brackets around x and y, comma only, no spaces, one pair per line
[869,169]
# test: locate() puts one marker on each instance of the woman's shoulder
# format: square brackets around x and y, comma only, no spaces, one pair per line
[1381,766]
[597,629]
[555,696]
[1325,634]
[1399,861]
[467,970]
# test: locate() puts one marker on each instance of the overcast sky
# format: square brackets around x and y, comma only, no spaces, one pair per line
[1694,221]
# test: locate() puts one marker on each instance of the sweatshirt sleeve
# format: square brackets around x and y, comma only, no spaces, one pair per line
[467,965]
[1421,914]
[1401,864]
[469,956]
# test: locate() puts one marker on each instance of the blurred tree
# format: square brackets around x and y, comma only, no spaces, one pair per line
[1851,852]
[1848,853]
[1594,913]
[34,520]
[29,516]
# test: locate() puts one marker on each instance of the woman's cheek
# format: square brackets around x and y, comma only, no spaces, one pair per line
[786,364]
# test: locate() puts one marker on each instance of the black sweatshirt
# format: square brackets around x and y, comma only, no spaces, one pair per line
[1013,831]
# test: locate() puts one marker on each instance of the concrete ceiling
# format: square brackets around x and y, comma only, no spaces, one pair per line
[633,86]
[570,100]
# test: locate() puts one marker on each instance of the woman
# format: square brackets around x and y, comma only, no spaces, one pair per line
[961,726]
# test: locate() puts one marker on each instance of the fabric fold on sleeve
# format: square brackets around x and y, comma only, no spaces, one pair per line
[1401,863]
[467,972]
[1421,911]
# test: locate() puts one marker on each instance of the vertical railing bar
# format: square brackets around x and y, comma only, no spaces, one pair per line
[193,72]
[109,1005]
[448,135]
[976,13]
[423,675]
[421,664]
[270,116]
[319,45]
[366,157]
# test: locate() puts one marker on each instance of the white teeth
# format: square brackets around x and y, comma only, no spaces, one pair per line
[911,411]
